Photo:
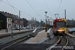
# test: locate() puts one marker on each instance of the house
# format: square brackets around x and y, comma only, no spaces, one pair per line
[7,20]
[25,22]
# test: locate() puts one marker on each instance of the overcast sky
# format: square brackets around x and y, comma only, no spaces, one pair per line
[37,8]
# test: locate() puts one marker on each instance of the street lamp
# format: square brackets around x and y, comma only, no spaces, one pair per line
[46,16]
[46,20]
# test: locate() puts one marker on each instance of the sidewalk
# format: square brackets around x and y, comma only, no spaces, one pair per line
[3,30]
[14,31]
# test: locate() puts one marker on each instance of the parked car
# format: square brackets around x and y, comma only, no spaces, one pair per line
[72,30]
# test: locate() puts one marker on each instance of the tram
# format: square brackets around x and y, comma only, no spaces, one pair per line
[59,26]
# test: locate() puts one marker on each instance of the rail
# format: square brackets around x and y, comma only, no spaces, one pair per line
[65,44]
[15,33]
[49,48]
[14,43]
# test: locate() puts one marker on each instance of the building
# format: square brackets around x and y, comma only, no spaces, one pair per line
[71,22]
[25,22]
[7,20]
[50,21]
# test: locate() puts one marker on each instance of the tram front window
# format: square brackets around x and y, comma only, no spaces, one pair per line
[60,24]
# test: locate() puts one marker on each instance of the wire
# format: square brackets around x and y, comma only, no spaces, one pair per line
[0,0]
[59,6]
[47,5]
[20,10]
[11,6]
[33,8]
[14,7]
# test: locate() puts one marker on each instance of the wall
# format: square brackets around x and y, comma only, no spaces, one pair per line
[9,23]
[4,19]
[16,23]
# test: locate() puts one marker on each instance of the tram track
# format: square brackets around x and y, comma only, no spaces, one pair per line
[66,43]
[49,48]
[14,42]
[17,33]
[62,42]
[6,45]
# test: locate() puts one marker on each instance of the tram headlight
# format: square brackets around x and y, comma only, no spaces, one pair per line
[60,30]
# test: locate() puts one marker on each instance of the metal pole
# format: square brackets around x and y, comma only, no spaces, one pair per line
[19,20]
[65,13]
[46,21]
[7,26]
[12,30]
[46,16]
[35,22]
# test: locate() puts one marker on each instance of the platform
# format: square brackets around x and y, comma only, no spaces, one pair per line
[14,32]
[39,37]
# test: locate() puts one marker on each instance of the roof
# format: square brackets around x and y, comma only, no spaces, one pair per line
[24,19]
[9,15]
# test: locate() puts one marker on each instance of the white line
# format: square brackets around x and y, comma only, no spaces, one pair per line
[43,40]
[28,40]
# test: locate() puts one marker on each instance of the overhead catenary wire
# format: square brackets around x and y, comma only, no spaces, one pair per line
[58,10]
[11,6]
[15,7]
[46,5]
[59,6]
[33,8]
[18,9]
[0,1]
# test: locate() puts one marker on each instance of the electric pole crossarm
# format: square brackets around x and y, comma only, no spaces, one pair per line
[56,15]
